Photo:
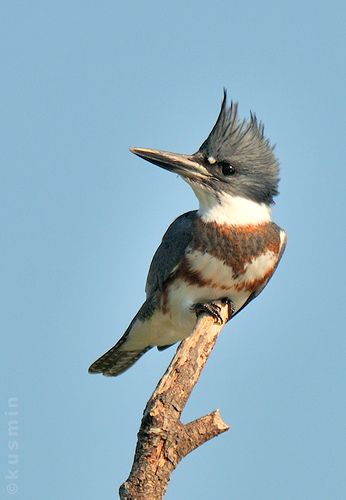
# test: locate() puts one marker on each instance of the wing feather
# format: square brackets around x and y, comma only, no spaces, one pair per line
[171,250]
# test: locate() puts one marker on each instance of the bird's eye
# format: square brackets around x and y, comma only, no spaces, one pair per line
[227,168]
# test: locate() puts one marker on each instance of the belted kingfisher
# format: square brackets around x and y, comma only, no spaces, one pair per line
[227,249]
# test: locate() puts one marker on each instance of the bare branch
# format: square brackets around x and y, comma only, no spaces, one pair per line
[162,439]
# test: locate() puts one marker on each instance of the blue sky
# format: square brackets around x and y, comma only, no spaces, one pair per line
[81,217]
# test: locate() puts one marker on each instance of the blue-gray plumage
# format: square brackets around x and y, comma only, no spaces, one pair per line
[227,249]
[170,252]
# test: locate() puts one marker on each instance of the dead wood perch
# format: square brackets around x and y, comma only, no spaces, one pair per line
[162,439]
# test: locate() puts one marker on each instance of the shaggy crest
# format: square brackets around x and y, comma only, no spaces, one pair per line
[242,143]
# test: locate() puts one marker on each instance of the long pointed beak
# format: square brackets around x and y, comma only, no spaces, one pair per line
[187,166]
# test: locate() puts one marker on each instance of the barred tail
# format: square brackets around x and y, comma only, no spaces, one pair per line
[116,361]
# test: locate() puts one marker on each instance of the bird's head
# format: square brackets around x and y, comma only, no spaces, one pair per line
[235,161]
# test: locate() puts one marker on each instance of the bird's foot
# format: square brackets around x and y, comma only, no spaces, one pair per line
[214,309]
[209,308]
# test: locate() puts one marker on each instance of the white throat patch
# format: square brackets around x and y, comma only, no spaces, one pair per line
[228,209]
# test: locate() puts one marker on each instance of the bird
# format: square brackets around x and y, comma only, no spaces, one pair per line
[227,249]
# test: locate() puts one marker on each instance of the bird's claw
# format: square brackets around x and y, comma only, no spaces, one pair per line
[209,308]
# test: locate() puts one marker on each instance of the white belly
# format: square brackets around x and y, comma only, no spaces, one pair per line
[179,320]
[221,280]
[161,329]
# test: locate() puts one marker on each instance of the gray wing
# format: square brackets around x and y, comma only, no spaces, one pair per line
[172,248]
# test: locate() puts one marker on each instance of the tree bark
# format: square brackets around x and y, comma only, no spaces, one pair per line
[163,440]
